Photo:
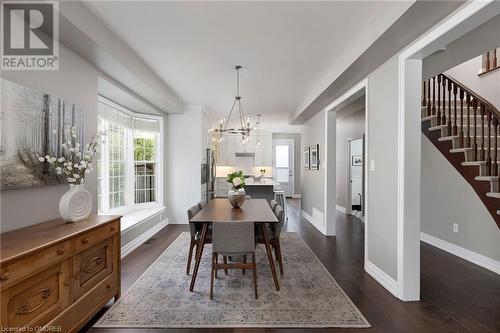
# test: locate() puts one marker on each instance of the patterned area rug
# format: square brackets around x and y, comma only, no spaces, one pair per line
[308,297]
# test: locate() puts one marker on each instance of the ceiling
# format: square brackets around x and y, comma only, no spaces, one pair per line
[284,47]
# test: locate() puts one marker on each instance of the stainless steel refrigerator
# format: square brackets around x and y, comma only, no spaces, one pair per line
[208,176]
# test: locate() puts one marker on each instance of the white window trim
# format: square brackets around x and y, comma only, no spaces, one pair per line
[129,165]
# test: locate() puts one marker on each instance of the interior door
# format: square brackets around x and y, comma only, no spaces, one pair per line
[283,165]
[356,174]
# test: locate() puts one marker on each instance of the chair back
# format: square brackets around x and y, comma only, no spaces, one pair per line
[233,237]
[280,214]
[192,211]
[201,204]
[273,204]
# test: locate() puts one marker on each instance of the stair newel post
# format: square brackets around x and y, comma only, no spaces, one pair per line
[482,132]
[461,134]
[474,138]
[467,141]
[455,131]
[439,100]
[448,124]
[488,155]
[495,152]
[443,115]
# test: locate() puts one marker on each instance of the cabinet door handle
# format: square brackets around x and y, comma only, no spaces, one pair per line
[85,241]
[4,276]
[60,251]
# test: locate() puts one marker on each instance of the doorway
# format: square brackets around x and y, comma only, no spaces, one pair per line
[355,176]
[283,165]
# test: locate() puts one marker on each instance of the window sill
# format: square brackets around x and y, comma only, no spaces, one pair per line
[137,216]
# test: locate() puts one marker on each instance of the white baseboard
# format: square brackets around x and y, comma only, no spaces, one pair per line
[381,277]
[297,196]
[473,257]
[134,244]
[311,220]
[340,208]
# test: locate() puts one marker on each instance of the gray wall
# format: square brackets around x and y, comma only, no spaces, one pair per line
[296,155]
[75,81]
[349,127]
[382,142]
[447,198]
[313,181]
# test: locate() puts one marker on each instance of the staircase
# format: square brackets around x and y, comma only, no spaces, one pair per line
[464,127]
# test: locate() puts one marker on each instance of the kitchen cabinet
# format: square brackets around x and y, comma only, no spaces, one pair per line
[232,144]
[264,154]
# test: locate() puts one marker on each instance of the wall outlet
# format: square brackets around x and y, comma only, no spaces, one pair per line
[455,227]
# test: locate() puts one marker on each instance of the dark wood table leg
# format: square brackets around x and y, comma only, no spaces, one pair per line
[199,253]
[269,255]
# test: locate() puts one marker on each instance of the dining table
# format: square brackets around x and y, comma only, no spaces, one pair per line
[220,210]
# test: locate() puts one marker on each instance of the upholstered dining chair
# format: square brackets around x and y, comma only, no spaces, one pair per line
[274,231]
[235,239]
[273,204]
[195,231]
[202,204]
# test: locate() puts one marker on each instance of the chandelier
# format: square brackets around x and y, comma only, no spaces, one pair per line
[244,128]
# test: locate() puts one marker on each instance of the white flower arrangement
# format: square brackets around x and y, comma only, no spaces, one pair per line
[74,165]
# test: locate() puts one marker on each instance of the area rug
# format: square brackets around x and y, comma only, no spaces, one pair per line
[309,296]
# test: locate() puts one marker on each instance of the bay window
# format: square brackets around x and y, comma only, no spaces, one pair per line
[129,163]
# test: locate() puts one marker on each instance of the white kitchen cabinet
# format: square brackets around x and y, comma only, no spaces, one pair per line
[221,187]
[263,155]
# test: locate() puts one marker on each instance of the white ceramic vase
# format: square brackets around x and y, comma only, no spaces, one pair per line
[76,204]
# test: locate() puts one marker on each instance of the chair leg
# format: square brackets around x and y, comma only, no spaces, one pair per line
[190,256]
[212,273]
[278,254]
[254,274]
[216,262]
[244,261]
[225,263]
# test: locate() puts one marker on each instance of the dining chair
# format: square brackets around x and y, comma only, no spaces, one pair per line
[234,239]
[274,231]
[195,231]
[202,204]
[273,204]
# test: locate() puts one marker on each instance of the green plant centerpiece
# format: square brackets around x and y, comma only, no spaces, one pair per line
[236,194]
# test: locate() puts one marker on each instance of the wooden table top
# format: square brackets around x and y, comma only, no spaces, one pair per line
[29,239]
[255,210]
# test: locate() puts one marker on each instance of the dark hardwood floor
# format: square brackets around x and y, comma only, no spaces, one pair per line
[456,296]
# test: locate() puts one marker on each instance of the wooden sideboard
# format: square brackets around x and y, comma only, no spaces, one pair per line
[59,274]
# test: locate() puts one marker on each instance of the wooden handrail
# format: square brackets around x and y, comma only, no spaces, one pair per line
[474,95]
[440,95]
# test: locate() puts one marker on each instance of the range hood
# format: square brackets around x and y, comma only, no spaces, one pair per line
[243,154]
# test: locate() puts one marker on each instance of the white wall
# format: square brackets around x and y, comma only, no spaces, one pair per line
[75,81]
[448,198]
[183,171]
[487,86]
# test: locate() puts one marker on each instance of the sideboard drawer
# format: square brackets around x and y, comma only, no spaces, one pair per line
[27,265]
[35,301]
[97,235]
[92,266]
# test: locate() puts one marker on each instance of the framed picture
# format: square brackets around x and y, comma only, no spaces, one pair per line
[314,165]
[33,124]
[357,160]
[307,155]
